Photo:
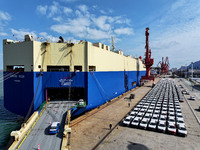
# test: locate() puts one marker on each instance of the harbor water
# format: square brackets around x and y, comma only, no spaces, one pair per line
[8,120]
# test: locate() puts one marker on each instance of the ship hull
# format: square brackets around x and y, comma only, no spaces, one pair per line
[24,92]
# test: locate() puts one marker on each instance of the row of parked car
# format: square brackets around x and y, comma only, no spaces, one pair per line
[159,110]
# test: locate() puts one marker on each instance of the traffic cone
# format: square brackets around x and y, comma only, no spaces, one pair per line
[38,146]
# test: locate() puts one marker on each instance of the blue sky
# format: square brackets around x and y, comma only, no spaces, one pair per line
[174,24]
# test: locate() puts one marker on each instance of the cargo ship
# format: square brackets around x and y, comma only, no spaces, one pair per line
[37,72]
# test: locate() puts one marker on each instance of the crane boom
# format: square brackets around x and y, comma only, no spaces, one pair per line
[148,61]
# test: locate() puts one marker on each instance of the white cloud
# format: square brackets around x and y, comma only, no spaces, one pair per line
[178,38]
[51,38]
[4,16]
[83,8]
[42,9]
[75,30]
[68,1]
[67,10]
[121,20]
[101,22]
[3,34]
[75,26]
[54,9]
[126,31]
[83,22]
[103,12]
[58,19]
[19,34]
[178,4]
[97,34]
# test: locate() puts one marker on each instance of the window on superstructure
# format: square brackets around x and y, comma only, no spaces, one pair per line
[19,68]
[92,68]
[57,68]
[77,68]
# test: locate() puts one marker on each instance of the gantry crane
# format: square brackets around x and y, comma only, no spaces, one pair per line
[164,65]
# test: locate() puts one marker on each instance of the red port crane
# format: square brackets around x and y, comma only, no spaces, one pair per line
[164,65]
[148,61]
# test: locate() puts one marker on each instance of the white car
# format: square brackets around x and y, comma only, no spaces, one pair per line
[150,111]
[180,123]
[132,114]
[135,122]
[171,115]
[179,117]
[138,117]
[192,98]
[136,109]
[162,118]
[147,117]
[143,123]
[156,114]
[152,125]
[139,106]
[179,113]
[171,120]
[127,121]
[171,128]
[161,127]
[154,118]
[182,131]
[157,111]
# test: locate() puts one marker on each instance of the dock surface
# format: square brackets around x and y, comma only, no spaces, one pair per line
[131,138]
[90,131]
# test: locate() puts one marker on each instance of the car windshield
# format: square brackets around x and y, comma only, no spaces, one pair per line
[182,128]
[135,121]
[152,123]
[144,122]
[127,119]
[180,121]
[161,125]
[172,127]
[53,127]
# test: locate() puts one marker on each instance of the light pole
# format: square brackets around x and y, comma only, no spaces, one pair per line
[192,70]
[185,70]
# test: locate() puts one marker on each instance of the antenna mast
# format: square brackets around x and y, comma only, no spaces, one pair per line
[113,44]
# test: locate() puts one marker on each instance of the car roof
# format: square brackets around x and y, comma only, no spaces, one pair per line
[54,124]
[128,117]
